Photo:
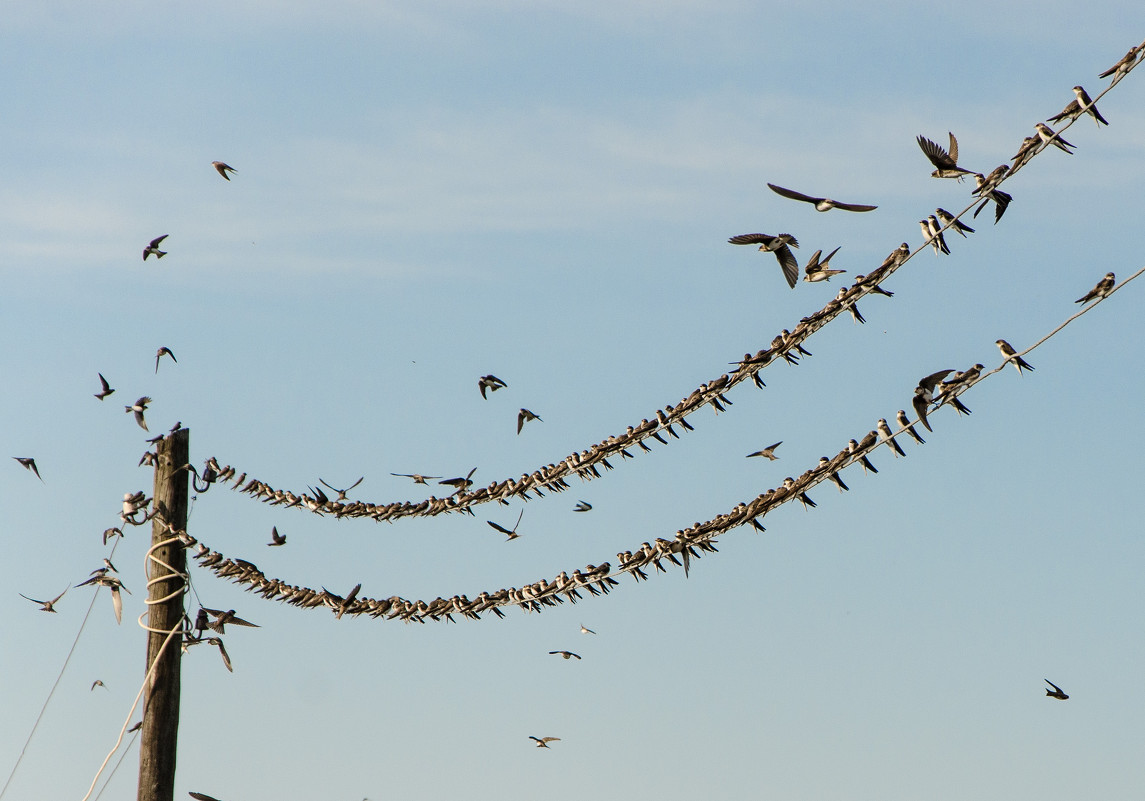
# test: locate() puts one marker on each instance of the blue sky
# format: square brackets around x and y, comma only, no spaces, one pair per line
[428,194]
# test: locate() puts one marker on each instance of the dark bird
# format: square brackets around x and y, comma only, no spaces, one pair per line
[566,654]
[30,464]
[986,187]
[217,641]
[275,537]
[904,421]
[139,407]
[152,248]
[223,168]
[525,416]
[159,354]
[342,492]
[221,619]
[202,796]
[45,606]
[820,203]
[1082,104]
[105,388]
[97,683]
[418,478]
[779,246]
[491,383]
[582,506]
[1050,137]
[511,534]
[1012,356]
[460,484]
[815,270]
[946,162]
[343,604]
[924,394]
[768,452]
[1056,692]
[543,742]
[1101,290]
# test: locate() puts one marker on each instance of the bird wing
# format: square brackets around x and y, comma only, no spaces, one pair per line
[854,206]
[223,653]
[155,242]
[789,264]
[502,529]
[812,265]
[751,239]
[117,604]
[791,193]
[520,420]
[103,383]
[1059,689]
[953,147]
[931,381]
[938,157]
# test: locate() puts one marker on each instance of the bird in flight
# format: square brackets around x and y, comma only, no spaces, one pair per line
[159,354]
[565,654]
[1101,290]
[945,161]
[223,618]
[46,606]
[201,796]
[489,382]
[105,388]
[816,270]
[152,248]
[511,534]
[582,506]
[30,464]
[779,246]
[543,742]
[342,492]
[768,452]
[275,537]
[1012,356]
[924,394]
[139,407]
[584,630]
[97,683]
[820,203]
[1056,692]
[418,478]
[223,168]
[525,416]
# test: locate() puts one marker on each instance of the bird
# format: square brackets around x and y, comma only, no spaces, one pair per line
[105,388]
[343,604]
[820,203]
[159,354]
[30,464]
[418,478]
[853,447]
[223,618]
[816,270]
[275,537]
[525,416]
[97,683]
[924,394]
[768,452]
[1081,104]
[1122,66]
[566,654]
[543,742]
[152,248]
[779,246]
[904,421]
[512,534]
[1056,692]
[201,796]
[1101,290]
[342,492]
[945,161]
[217,641]
[460,484]
[223,168]
[949,219]
[136,727]
[932,233]
[585,630]
[489,382]
[582,506]
[46,606]
[1047,135]
[100,578]
[985,186]
[889,438]
[139,407]
[1012,356]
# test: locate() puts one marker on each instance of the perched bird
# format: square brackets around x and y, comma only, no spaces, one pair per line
[159,354]
[1012,356]
[924,395]
[543,742]
[932,233]
[1081,104]
[418,478]
[30,464]
[820,203]
[275,537]
[139,407]
[525,416]
[342,492]
[512,534]
[1101,290]
[985,187]
[566,654]
[46,606]
[584,630]
[1047,135]
[779,246]
[853,447]
[1122,66]
[97,683]
[768,452]
[582,506]
[955,224]
[152,248]
[491,383]
[885,431]
[105,388]
[946,162]
[223,168]
[1056,692]
[221,619]
[816,270]
[861,280]
[904,421]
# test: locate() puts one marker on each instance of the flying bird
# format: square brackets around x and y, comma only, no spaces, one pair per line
[815,270]
[491,383]
[152,248]
[418,478]
[223,618]
[582,506]
[945,161]
[1101,290]
[924,394]
[46,606]
[159,354]
[985,186]
[223,168]
[543,742]
[30,464]
[525,416]
[139,407]
[460,484]
[1056,692]
[275,537]
[97,683]
[779,246]
[1012,356]
[566,654]
[820,203]
[105,388]
[342,492]
[511,534]
[768,452]
[584,630]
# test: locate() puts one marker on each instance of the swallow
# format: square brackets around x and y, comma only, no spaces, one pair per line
[460,484]
[566,654]
[853,448]
[223,618]
[136,727]
[584,630]
[904,421]
[1101,290]
[512,534]
[889,438]
[1047,135]
[45,606]
[30,464]
[1056,692]
[931,232]
[543,742]
[201,796]
[1082,104]
[955,224]
[1001,199]
[1122,66]
[139,407]
[946,162]
[105,388]
[275,537]
[418,478]
[768,452]
[523,417]
[159,354]
[1012,356]
[344,603]
[491,383]
[825,463]
[97,683]
[342,492]
[816,270]
[851,306]
[1025,152]
[924,395]
[896,257]
[101,579]
[779,246]
[820,203]
[582,506]
[152,248]
[223,168]
[861,280]
[217,641]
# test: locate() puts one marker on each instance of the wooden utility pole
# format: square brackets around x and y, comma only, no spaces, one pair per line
[161,701]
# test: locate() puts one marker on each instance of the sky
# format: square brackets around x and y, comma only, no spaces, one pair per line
[428,193]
